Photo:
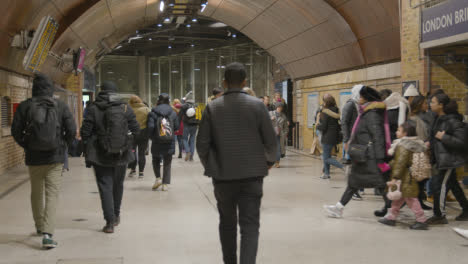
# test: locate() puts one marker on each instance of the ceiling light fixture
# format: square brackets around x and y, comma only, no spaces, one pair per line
[160,25]
[118,47]
[155,74]
[192,45]
[170,47]
[194,20]
[167,19]
[150,39]
[203,6]
[188,25]
[234,35]
[161,6]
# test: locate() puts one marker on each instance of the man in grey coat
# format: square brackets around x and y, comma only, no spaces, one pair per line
[237,146]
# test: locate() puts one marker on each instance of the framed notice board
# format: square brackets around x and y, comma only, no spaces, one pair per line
[312,108]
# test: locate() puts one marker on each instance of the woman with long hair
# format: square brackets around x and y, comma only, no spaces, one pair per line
[329,126]
[176,106]
[141,141]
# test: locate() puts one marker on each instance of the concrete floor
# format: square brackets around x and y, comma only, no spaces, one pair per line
[180,226]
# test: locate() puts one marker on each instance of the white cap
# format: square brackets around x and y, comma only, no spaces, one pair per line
[411,91]
[190,112]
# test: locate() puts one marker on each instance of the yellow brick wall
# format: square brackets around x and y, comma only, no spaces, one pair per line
[18,88]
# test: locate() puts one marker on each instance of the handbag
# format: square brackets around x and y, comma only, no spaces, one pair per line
[358,152]
[395,195]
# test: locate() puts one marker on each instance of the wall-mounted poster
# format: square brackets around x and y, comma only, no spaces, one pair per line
[344,97]
[408,84]
[312,108]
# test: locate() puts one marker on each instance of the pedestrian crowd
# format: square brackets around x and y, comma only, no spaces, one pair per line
[407,148]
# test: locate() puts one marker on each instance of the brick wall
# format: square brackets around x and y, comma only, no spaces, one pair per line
[18,88]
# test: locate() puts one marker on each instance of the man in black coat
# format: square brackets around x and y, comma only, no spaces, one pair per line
[44,166]
[237,145]
[109,168]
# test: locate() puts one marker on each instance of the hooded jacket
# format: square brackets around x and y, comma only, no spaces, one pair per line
[162,110]
[402,161]
[329,125]
[447,153]
[43,90]
[369,132]
[93,124]
[350,112]
[141,112]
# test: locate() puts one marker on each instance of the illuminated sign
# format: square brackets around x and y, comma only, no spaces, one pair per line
[40,45]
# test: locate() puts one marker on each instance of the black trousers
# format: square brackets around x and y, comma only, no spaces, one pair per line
[167,162]
[442,183]
[241,198]
[110,181]
[348,195]
[180,142]
[140,147]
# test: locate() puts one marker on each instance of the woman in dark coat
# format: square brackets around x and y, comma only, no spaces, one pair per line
[161,149]
[447,145]
[329,126]
[368,135]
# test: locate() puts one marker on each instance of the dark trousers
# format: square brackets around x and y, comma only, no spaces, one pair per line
[167,161]
[140,147]
[110,181]
[241,198]
[180,142]
[442,183]
[348,195]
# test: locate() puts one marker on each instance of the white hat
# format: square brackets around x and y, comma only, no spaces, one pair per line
[190,112]
[411,91]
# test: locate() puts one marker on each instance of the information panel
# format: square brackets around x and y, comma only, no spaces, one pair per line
[312,108]
[40,45]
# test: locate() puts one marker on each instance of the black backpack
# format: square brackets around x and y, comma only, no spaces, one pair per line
[113,137]
[42,125]
[164,129]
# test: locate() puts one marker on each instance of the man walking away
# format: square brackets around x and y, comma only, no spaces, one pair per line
[107,132]
[237,153]
[187,114]
[44,126]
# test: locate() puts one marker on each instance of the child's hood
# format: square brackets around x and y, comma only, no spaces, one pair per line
[413,144]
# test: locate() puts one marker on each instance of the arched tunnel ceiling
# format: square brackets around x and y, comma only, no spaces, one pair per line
[308,37]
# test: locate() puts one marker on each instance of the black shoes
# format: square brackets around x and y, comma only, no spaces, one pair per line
[117,221]
[108,228]
[437,220]
[180,155]
[386,221]
[381,213]
[419,226]
[425,207]
[462,217]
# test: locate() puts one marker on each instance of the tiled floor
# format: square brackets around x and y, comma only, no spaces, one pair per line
[180,226]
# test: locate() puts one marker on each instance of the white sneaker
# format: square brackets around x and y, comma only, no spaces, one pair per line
[132,174]
[325,177]
[333,211]
[461,232]
[165,187]
[157,183]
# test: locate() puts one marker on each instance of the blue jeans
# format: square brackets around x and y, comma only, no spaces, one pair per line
[189,138]
[328,160]
[345,154]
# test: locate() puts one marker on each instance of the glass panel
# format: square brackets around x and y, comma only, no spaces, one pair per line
[259,72]
[154,76]
[176,72]
[187,75]
[199,75]
[123,71]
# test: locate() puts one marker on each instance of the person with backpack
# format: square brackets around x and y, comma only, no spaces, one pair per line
[448,142]
[280,124]
[367,149]
[162,124]
[406,165]
[107,132]
[43,126]
[140,144]
[188,115]
[176,106]
[329,126]
[237,154]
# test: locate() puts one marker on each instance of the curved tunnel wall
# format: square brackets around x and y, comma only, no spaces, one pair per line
[308,37]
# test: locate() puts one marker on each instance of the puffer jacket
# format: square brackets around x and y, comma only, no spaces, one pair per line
[43,90]
[329,125]
[447,153]
[157,148]
[401,163]
[93,124]
[141,112]
[348,117]
[369,130]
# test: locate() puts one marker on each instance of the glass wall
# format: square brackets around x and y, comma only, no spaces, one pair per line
[198,72]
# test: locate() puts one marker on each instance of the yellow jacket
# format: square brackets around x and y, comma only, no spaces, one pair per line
[141,113]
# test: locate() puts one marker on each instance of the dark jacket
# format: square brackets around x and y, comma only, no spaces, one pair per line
[349,115]
[93,124]
[447,153]
[67,124]
[183,116]
[236,139]
[393,122]
[329,125]
[157,148]
[369,132]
